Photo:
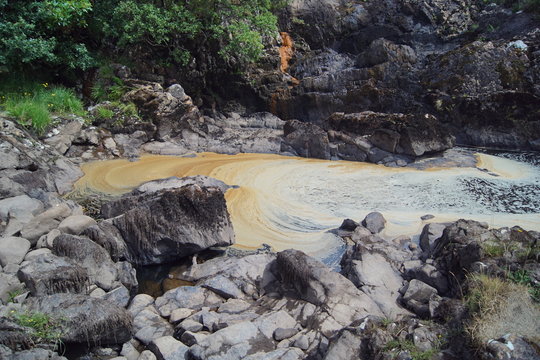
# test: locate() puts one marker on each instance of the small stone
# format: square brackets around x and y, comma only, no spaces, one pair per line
[427,217]
[191,339]
[147,355]
[234,306]
[190,325]
[180,314]
[97,293]
[282,334]
[129,351]
[302,342]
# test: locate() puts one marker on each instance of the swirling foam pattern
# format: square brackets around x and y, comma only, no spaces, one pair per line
[292,202]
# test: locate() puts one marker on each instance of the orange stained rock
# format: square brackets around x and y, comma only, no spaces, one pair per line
[286,50]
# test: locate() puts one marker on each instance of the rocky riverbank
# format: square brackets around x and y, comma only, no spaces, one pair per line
[391,299]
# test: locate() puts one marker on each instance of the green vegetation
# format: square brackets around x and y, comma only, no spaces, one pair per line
[498,307]
[67,36]
[33,104]
[522,277]
[104,113]
[44,328]
[397,345]
[13,294]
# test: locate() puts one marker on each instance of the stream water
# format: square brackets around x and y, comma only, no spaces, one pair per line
[290,202]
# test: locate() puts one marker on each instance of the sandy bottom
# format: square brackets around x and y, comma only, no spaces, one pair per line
[290,202]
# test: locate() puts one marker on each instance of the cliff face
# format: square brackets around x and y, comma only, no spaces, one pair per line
[474,66]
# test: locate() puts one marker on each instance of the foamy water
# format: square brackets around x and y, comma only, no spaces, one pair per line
[290,202]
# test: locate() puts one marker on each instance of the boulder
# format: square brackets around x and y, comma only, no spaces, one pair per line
[168,224]
[168,348]
[174,182]
[76,224]
[317,284]
[45,222]
[307,140]
[374,222]
[67,133]
[21,209]
[118,296]
[418,296]
[430,233]
[348,225]
[8,285]
[89,255]
[50,274]
[13,250]
[86,319]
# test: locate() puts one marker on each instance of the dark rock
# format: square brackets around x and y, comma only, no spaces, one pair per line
[374,222]
[86,319]
[348,225]
[430,233]
[95,259]
[49,274]
[307,140]
[406,134]
[110,238]
[512,347]
[168,224]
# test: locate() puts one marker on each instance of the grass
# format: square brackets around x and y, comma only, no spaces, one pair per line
[104,113]
[44,329]
[33,104]
[498,307]
[407,345]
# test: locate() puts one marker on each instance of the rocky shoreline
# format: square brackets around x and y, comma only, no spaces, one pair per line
[392,299]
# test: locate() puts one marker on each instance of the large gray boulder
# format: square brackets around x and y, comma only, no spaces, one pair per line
[430,233]
[13,249]
[165,225]
[307,140]
[316,283]
[85,319]
[45,222]
[50,274]
[89,255]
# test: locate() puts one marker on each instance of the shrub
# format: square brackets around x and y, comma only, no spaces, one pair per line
[104,113]
[29,113]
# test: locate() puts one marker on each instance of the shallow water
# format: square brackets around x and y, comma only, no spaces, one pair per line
[294,202]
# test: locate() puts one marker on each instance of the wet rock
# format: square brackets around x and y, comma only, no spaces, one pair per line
[86,319]
[76,224]
[49,274]
[13,250]
[374,222]
[199,216]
